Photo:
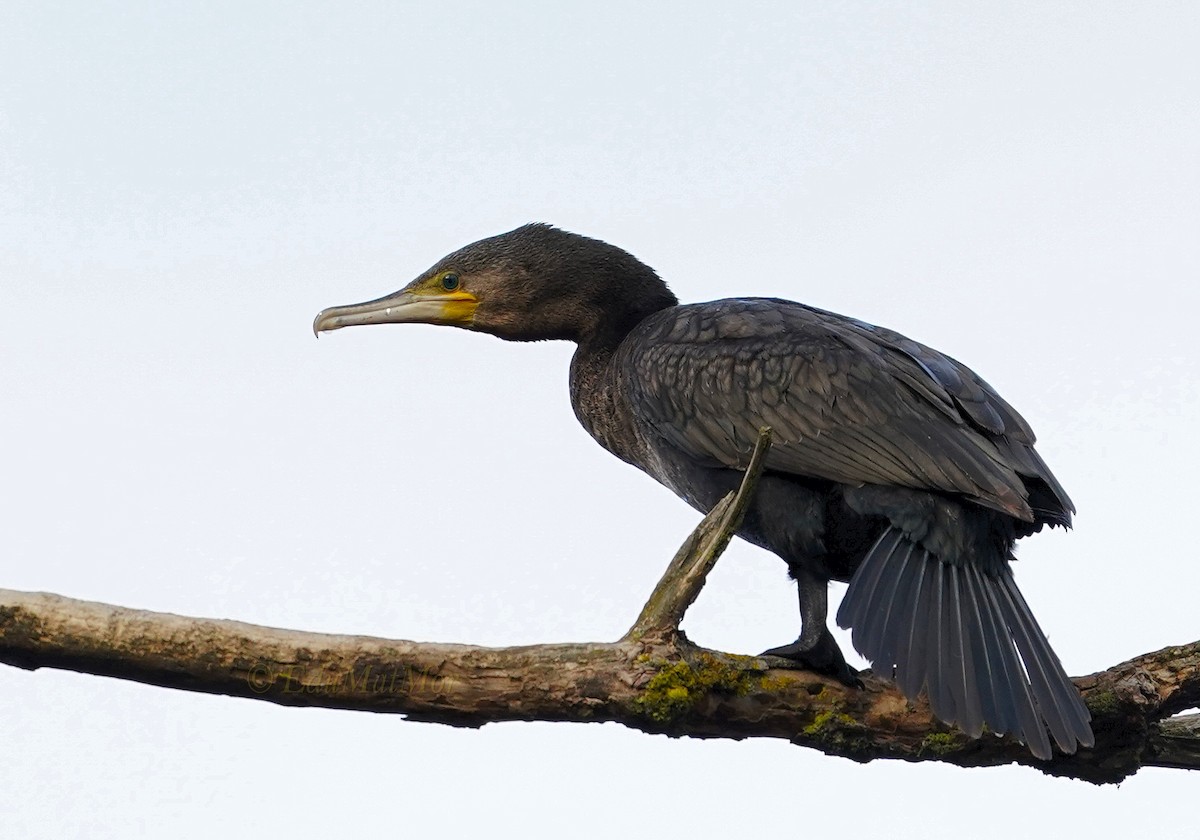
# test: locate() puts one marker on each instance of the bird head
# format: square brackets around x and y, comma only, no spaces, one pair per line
[533,283]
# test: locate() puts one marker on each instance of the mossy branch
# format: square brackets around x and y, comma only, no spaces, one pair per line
[653,679]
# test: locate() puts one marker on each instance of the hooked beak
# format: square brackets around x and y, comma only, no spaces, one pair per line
[455,308]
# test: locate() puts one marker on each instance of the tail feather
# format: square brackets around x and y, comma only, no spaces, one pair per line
[896,634]
[983,655]
[966,677]
[967,637]
[1012,689]
[880,614]
[1068,718]
[869,602]
[914,661]
[937,683]
[988,658]
[899,644]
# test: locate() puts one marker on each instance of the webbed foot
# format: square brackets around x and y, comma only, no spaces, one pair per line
[822,656]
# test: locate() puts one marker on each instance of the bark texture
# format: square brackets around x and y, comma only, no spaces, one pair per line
[653,679]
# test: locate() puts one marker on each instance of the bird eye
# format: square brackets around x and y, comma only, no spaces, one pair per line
[450,282]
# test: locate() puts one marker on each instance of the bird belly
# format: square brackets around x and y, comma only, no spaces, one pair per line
[807,523]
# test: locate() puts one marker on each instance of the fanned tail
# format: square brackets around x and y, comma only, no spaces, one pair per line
[968,638]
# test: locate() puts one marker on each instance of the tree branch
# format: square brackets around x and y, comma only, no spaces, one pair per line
[653,679]
[681,583]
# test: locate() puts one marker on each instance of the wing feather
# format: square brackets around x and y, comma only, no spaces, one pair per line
[848,402]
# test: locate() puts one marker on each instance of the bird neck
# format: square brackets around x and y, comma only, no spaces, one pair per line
[609,298]
[599,403]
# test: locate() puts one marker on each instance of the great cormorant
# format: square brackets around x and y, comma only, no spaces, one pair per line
[893,467]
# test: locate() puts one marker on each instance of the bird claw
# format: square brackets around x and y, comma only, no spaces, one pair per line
[823,657]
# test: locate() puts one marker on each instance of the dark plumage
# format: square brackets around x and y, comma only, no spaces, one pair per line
[893,466]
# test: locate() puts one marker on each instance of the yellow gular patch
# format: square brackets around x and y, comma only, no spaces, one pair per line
[458,307]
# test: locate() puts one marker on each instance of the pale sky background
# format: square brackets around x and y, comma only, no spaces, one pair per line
[182,188]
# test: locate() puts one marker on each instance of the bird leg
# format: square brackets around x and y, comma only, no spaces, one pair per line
[815,649]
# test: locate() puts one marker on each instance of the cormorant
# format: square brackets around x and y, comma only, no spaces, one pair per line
[894,467]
